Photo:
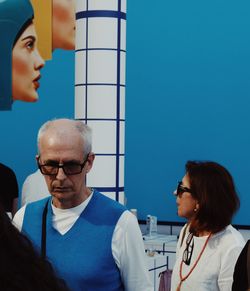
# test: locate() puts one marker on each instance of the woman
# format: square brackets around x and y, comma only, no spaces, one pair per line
[19,57]
[208,246]
[20,266]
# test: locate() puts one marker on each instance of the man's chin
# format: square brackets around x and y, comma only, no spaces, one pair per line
[61,190]
[61,194]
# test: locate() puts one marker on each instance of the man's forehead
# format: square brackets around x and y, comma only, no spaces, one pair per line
[48,154]
[62,131]
[52,136]
[53,143]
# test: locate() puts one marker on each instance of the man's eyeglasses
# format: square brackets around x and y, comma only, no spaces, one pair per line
[180,190]
[187,254]
[69,168]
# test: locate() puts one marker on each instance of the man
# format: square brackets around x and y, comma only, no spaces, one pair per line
[93,242]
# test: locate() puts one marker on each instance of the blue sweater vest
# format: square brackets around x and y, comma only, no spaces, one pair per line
[82,256]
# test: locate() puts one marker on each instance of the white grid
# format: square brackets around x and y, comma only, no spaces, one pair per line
[100,88]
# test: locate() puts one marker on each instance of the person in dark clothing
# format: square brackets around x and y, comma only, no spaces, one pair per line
[241,278]
[21,268]
[9,189]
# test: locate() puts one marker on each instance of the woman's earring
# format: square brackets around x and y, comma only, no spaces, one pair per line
[196,208]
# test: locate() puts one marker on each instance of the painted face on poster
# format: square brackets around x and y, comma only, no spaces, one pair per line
[63,24]
[26,65]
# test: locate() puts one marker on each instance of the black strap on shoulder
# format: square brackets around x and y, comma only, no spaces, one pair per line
[43,237]
[248,264]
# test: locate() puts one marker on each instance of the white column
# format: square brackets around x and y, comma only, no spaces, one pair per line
[100,88]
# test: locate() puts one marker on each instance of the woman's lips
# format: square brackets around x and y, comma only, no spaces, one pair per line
[36,82]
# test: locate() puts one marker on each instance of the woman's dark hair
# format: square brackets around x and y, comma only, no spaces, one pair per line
[22,29]
[213,187]
[21,268]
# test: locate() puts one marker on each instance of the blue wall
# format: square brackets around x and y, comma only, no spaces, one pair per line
[188,86]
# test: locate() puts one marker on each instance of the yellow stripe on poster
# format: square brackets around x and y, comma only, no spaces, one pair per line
[43,23]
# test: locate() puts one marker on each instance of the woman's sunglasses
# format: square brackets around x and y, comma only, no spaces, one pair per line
[180,190]
[187,254]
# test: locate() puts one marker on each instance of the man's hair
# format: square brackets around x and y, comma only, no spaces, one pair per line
[84,132]
[213,187]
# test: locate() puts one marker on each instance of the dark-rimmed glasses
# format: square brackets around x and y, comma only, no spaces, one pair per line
[187,254]
[69,168]
[181,189]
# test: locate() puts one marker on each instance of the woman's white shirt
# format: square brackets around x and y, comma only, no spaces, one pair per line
[215,268]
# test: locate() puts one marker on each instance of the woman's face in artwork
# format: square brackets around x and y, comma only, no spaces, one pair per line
[26,66]
[63,24]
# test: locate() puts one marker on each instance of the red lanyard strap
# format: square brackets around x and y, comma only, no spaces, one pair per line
[194,265]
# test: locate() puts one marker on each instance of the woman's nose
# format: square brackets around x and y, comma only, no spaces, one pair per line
[39,61]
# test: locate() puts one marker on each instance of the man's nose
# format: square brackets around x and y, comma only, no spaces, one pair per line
[61,175]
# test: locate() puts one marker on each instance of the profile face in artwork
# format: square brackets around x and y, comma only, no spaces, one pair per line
[26,66]
[63,24]
[19,57]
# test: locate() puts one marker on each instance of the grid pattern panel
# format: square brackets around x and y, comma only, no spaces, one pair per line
[100,88]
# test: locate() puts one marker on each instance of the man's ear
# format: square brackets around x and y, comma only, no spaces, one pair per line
[37,157]
[90,162]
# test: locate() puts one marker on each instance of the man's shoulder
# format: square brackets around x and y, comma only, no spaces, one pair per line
[108,209]
[32,205]
[40,201]
[109,202]
[35,205]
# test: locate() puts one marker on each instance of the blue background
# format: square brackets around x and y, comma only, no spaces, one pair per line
[187,97]
[188,86]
